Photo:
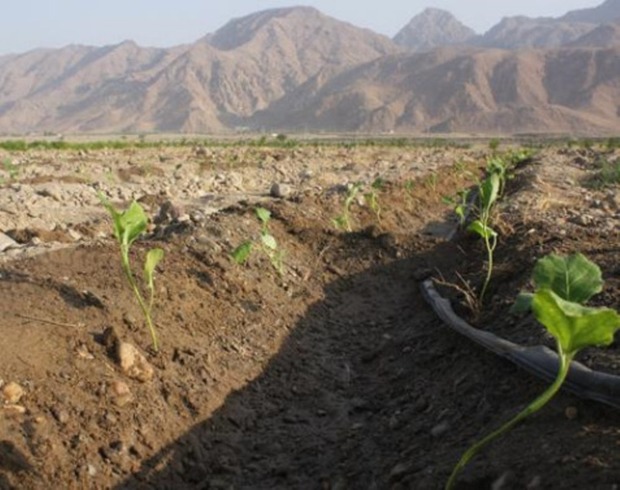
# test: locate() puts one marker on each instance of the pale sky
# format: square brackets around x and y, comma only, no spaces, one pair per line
[29,24]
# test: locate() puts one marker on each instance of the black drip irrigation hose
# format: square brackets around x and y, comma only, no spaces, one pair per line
[538,360]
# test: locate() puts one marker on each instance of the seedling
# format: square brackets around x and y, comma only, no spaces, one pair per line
[372,197]
[459,204]
[343,220]
[10,168]
[488,193]
[431,181]
[128,226]
[497,165]
[573,326]
[267,244]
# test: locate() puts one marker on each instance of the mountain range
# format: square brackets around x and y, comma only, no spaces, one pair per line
[295,69]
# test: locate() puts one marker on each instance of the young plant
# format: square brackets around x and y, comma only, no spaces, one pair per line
[497,165]
[343,220]
[372,197]
[431,181]
[459,204]
[128,226]
[573,326]
[10,168]
[267,244]
[488,193]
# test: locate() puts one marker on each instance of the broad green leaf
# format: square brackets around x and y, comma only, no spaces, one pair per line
[269,241]
[489,190]
[573,325]
[523,304]
[153,257]
[263,214]
[573,278]
[133,222]
[242,252]
[481,229]
[128,224]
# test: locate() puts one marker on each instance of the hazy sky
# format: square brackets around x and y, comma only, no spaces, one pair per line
[28,24]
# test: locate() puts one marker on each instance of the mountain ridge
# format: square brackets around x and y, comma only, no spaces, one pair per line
[295,68]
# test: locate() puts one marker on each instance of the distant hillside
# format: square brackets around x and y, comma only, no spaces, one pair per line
[211,85]
[433,28]
[296,69]
[452,90]
[608,11]
[525,32]
[603,36]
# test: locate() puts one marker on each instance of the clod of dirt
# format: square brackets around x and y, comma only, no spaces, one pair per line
[12,393]
[13,410]
[132,362]
[121,393]
[280,190]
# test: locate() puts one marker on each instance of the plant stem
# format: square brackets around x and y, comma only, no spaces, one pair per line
[145,309]
[537,404]
[490,249]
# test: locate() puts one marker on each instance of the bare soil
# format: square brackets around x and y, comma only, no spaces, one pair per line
[333,375]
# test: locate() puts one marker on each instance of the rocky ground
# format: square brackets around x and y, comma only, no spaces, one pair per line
[332,374]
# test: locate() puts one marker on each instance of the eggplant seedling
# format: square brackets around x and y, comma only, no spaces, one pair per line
[267,244]
[488,193]
[128,226]
[343,220]
[573,326]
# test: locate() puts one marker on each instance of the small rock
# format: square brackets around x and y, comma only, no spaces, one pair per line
[121,393]
[280,190]
[535,483]
[133,363]
[12,393]
[61,415]
[398,471]
[571,413]
[504,482]
[440,429]
[7,242]
[14,410]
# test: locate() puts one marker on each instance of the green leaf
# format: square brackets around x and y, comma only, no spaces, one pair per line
[133,222]
[573,325]
[153,257]
[481,229]
[128,224]
[523,304]
[263,214]
[489,190]
[269,241]
[573,278]
[378,184]
[242,252]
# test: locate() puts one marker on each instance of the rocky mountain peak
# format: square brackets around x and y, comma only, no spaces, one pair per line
[433,28]
[242,30]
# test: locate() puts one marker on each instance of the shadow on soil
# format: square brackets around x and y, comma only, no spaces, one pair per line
[356,397]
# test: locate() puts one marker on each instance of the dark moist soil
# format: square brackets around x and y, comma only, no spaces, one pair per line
[527,236]
[335,375]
